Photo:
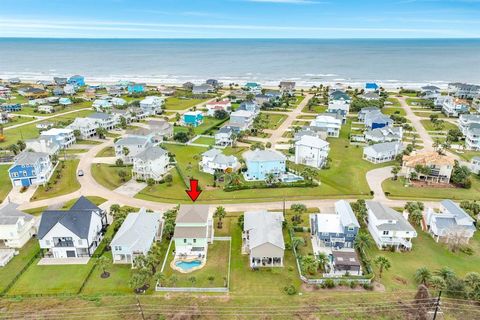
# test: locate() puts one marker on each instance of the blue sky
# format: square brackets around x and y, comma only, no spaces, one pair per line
[240,18]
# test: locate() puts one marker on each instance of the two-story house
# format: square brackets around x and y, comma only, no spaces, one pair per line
[382,152]
[86,126]
[214,160]
[194,231]
[465,120]
[261,163]
[42,144]
[434,167]
[213,106]
[151,163]
[337,229]
[104,120]
[241,120]
[311,151]
[129,147]
[152,105]
[224,136]
[454,107]
[135,237]
[16,227]
[30,168]
[385,134]
[192,118]
[63,137]
[73,233]
[329,123]
[388,227]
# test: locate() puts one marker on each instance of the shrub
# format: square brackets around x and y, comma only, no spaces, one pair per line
[290,290]
[353,284]
[329,283]
[467,250]
[367,286]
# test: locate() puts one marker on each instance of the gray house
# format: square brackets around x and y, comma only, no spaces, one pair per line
[336,230]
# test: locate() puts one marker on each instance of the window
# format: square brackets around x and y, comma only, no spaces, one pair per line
[47,242]
[15,174]
[80,242]
[385,233]
[184,240]
[351,228]
[194,240]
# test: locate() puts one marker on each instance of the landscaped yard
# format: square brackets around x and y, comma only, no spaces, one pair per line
[10,271]
[107,175]
[216,266]
[426,252]
[397,190]
[65,184]
[5,183]
[174,103]
[106,152]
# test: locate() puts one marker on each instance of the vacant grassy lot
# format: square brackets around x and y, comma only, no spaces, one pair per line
[5,183]
[426,252]
[429,126]
[274,120]
[466,155]
[174,103]
[414,101]
[65,184]
[397,190]
[394,110]
[394,102]
[9,272]
[106,152]
[208,124]
[315,109]
[205,140]
[107,175]
[18,120]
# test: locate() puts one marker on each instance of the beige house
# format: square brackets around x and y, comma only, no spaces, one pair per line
[263,238]
[439,166]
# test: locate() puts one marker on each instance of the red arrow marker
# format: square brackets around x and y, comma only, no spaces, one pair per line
[193,193]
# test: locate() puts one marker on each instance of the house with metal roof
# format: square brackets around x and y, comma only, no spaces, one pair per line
[261,163]
[194,231]
[151,163]
[136,236]
[241,120]
[327,122]
[224,136]
[287,87]
[203,89]
[214,160]
[64,137]
[73,233]
[454,107]
[337,229]
[382,152]
[30,168]
[450,224]
[16,227]
[192,118]
[472,137]
[128,147]
[42,144]
[311,151]
[104,120]
[388,227]
[385,134]
[371,86]
[76,80]
[376,119]
[152,105]
[263,238]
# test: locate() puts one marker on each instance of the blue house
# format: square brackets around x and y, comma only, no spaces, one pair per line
[136,87]
[335,230]
[65,101]
[76,80]
[11,107]
[371,86]
[249,106]
[30,168]
[260,163]
[192,118]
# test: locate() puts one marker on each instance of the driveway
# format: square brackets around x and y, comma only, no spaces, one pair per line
[131,188]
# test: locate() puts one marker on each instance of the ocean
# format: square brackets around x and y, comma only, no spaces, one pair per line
[391,62]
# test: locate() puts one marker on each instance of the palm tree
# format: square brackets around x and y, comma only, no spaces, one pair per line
[362,241]
[309,264]
[383,264]
[220,213]
[297,241]
[416,217]
[125,151]
[192,280]
[322,260]
[423,275]
[270,178]
[173,280]
[438,283]
[160,277]
[395,171]
[446,273]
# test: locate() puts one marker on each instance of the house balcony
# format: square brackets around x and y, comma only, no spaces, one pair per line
[63,244]
[395,241]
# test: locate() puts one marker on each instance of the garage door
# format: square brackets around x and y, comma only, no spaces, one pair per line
[70,254]
[17,183]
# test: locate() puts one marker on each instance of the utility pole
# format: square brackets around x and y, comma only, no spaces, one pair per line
[139,305]
[437,305]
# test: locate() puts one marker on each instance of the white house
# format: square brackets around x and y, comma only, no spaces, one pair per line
[151,163]
[465,120]
[214,160]
[69,89]
[263,238]
[329,122]
[16,227]
[152,105]
[42,144]
[136,235]
[472,137]
[102,105]
[194,231]
[63,137]
[104,120]
[475,165]
[241,119]
[384,134]
[382,152]
[287,87]
[86,126]
[213,106]
[45,108]
[453,107]
[464,90]
[311,151]
[118,102]
[127,148]
[73,233]
[224,136]
[388,227]
[451,224]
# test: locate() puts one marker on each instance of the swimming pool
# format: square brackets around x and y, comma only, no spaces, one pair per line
[187,265]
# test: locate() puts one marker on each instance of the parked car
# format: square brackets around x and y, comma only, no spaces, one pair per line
[80,173]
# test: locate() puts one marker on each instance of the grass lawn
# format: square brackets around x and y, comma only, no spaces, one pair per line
[89,142]
[397,190]
[9,272]
[315,109]
[106,152]
[274,120]
[66,184]
[298,100]
[18,120]
[36,211]
[107,175]
[467,154]
[426,252]
[174,103]
[208,124]
[94,199]
[5,185]
[428,125]
[216,266]
[394,110]
[413,101]
[395,102]
[73,151]
[51,279]
[205,140]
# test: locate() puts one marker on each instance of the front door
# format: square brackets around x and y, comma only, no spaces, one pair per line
[25,182]
[70,254]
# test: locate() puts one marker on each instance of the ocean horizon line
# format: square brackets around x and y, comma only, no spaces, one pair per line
[242,38]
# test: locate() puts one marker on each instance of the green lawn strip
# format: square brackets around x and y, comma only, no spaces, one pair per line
[10,271]
[36,211]
[393,110]
[6,184]
[216,266]
[107,175]
[395,102]
[66,184]
[174,103]
[466,155]
[425,253]
[72,151]
[413,101]
[94,199]
[30,110]
[89,142]
[205,140]
[315,109]
[18,120]
[274,120]
[298,100]
[428,125]
[51,279]
[397,190]
[106,152]
[306,117]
